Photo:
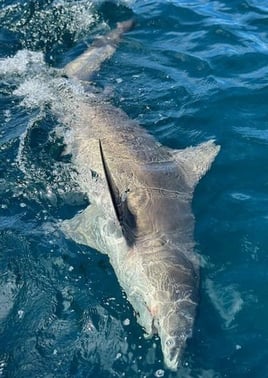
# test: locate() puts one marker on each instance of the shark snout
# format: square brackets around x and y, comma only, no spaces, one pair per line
[174,328]
[172,351]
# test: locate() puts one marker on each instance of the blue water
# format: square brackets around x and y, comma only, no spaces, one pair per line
[191,70]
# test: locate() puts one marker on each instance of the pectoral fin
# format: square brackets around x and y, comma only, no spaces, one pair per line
[196,161]
[85,228]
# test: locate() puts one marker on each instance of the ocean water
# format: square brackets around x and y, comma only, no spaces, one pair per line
[191,70]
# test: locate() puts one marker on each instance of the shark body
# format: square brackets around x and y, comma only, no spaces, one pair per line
[140,214]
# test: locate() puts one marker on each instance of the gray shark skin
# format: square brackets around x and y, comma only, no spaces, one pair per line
[140,215]
[101,49]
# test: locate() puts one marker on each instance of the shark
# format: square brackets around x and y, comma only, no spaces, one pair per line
[139,212]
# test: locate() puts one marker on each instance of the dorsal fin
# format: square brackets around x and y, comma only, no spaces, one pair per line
[124,216]
[111,186]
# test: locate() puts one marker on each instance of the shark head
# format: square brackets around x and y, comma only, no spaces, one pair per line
[173,323]
[174,326]
[172,303]
[164,295]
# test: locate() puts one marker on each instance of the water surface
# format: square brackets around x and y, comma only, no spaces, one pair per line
[190,71]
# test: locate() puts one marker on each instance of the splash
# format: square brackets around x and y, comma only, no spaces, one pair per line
[21,159]
[41,93]
[35,93]
[39,88]
[21,63]
[42,24]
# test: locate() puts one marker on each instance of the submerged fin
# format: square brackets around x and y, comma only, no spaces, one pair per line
[124,216]
[85,65]
[196,160]
[84,228]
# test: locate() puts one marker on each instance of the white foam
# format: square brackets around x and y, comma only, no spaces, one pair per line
[20,154]
[38,86]
[8,291]
[49,22]
[3,364]
[28,72]
[21,62]
[7,115]
[36,92]
[81,15]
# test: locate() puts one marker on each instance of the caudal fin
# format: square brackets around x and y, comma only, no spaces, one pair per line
[85,65]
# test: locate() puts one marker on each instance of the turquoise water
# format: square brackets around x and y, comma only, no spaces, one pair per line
[190,71]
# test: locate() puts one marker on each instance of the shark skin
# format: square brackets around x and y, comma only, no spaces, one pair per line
[140,195]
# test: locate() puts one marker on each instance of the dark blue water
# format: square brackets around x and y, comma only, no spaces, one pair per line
[190,71]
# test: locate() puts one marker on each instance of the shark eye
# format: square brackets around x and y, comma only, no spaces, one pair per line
[170,343]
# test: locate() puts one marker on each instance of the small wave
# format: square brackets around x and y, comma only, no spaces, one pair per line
[249,132]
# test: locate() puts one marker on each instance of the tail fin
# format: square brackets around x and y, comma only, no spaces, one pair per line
[102,48]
